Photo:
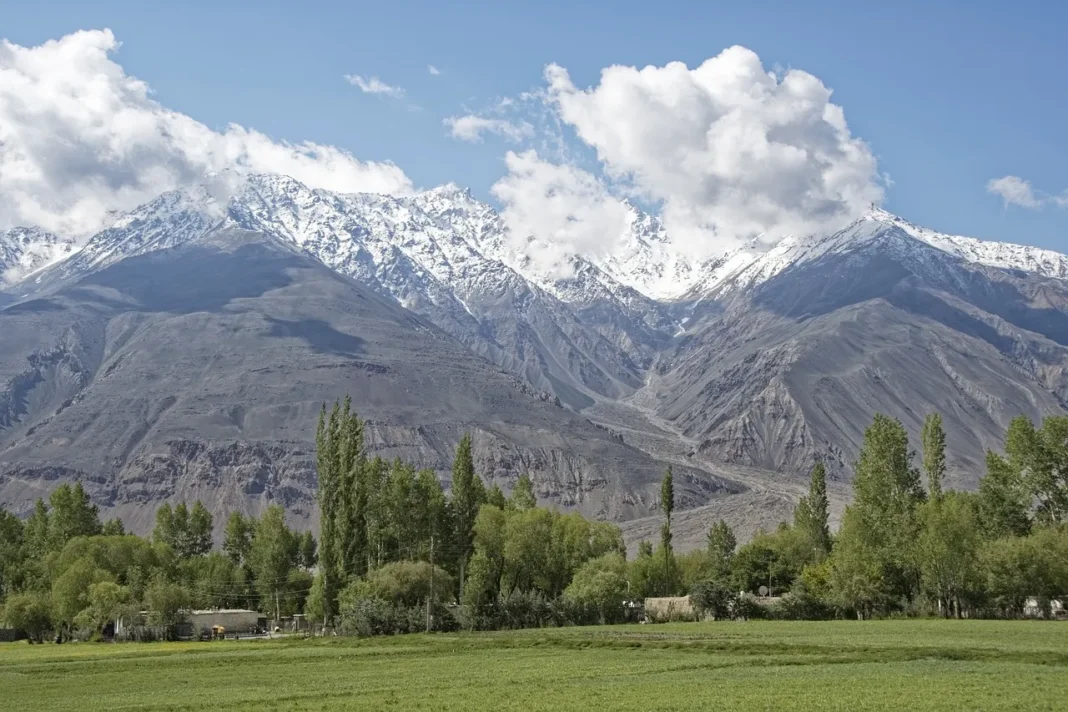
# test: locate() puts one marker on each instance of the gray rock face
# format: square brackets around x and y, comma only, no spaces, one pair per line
[184,353]
[794,369]
[197,372]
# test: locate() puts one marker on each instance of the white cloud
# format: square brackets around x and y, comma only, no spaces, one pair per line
[556,211]
[1014,190]
[374,85]
[79,137]
[471,128]
[729,150]
[434,71]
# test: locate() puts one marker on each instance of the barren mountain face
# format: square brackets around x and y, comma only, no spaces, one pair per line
[184,353]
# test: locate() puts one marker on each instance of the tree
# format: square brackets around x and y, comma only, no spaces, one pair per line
[106,601]
[166,603]
[713,598]
[812,515]
[667,495]
[113,527]
[468,494]
[327,445]
[721,546]
[600,585]
[523,493]
[307,550]
[164,532]
[12,552]
[237,537]
[949,551]
[1003,499]
[72,514]
[667,503]
[934,453]
[495,497]
[70,591]
[29,611]
[272,555]
[198,538]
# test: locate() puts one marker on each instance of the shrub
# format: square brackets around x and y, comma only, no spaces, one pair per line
[713,599]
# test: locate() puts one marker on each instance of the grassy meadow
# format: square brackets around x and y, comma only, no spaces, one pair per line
[847,665]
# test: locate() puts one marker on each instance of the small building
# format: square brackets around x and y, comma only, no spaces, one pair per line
[235,620]
[669,608]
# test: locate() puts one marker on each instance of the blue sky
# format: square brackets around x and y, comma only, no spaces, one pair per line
[947,97]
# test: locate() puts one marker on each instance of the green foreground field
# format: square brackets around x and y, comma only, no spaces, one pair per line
[900,665]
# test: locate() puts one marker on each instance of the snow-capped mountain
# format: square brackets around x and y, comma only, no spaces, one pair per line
[764,357]
[24,250]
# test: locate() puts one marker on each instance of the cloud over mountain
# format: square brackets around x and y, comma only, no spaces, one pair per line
[729,150]
[79,138]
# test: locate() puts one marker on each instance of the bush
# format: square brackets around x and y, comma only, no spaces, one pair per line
[598,589]
[713,599]
[746,607]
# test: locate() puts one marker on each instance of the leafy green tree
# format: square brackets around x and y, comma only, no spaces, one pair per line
[468,495]
[1004,501]
[237,537]
[882,561]
[495,497]
[164,531]
[70,591]
[949,551]
[667,494]
[721,546]
[712,597]
[308,555]
[812,514]
[523,493]
[113,527]
[328,490]
[934,453]
[12,553]
[36,532]
[71,514]
[166,603]
[29,611]
[198,537]
[272,556]
[106,601]
[600,585]
[773,559]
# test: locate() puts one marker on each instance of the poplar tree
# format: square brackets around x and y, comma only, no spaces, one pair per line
[468,494]
[812,515]
[934,454]
[326,446]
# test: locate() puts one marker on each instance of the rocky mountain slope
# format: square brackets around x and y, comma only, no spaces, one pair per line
[763,359]
[198,371]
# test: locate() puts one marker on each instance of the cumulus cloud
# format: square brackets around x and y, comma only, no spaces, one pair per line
[555,211]
[729,150]
[79,138]
[1014,190]
[472,127]
[374,85]
[434,71]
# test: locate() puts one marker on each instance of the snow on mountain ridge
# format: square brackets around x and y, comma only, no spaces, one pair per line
[453,239]
[24,250]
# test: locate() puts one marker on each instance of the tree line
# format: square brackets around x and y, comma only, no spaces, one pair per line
[398,553]
[63,571]
[907,544]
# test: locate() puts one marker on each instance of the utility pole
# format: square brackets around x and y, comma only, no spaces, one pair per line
[431,596]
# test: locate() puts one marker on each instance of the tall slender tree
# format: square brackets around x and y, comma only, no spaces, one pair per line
[812,515]
[468,494]
[326,450]
[934,454]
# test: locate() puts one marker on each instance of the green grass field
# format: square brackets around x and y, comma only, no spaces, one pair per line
[899,665]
